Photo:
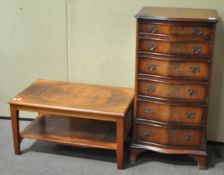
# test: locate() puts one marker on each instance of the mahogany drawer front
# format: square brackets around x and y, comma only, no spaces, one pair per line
[174,29]
[168,136]
[174,48]
[174,68]
[172,90]
[170,114]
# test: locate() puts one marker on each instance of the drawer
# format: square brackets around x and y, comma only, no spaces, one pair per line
[172,89]
[174,48]
[170,113]
[168,136]
[174,29]
[166,68]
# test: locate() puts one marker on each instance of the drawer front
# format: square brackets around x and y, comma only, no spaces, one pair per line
[176,30]
[170,114]
[174,68]
[175,48]
[168,136]
[172,91]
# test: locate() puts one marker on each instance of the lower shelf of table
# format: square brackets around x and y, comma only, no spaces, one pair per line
[72,131]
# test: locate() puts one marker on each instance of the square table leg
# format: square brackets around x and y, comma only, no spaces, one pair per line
[120,143]
[15,128]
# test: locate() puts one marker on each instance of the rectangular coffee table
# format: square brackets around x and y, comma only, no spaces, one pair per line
[75,114]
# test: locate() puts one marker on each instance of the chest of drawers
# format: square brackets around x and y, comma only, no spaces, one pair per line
[173,72]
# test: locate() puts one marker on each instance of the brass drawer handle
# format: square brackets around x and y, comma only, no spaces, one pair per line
[197,31]
[150,88]
[147,133]
[153,28]
[195,69]
[151,67]
[192,92]
[189,138]
[190,115]
[149,110]
[152,46]
[196,49]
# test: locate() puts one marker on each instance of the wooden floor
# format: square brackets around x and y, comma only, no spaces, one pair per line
[72,131]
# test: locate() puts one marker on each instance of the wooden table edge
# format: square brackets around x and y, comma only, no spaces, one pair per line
[26,107]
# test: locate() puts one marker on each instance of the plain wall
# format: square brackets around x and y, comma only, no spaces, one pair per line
[32,45]
[86,41]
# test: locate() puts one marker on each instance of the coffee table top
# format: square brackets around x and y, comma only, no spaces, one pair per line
[76,97]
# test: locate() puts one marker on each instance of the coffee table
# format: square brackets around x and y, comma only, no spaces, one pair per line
[75,114]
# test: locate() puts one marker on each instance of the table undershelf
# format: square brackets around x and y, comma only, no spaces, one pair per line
[72,131]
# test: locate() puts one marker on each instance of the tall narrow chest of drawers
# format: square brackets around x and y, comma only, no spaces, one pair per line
[173,73]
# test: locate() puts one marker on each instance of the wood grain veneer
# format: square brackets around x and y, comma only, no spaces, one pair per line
[183,69]
[76,97]
[75,114]
[174,55]
[72,131]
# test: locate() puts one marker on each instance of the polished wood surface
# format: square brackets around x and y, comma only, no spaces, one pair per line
[168,136]
[176,29]
[170,113]
[174,55]
[178,14]
[175,48]
[171,90]
[72,131]
[75,114]
[76,97]
[120,142]
[176,69]
[15,129]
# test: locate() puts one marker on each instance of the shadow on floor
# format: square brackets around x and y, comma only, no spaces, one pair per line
[215,154]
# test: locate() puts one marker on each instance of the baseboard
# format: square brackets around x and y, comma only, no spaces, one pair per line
[215,143]
[9,118]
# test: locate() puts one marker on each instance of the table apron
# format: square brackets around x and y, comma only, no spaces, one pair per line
[68,113]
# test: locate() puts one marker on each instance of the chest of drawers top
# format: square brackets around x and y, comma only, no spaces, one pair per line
[178,14]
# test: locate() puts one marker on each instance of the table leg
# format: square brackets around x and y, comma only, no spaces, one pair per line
[120,143]
[15,128]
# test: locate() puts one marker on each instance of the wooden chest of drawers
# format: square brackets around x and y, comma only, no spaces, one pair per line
[173,72]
